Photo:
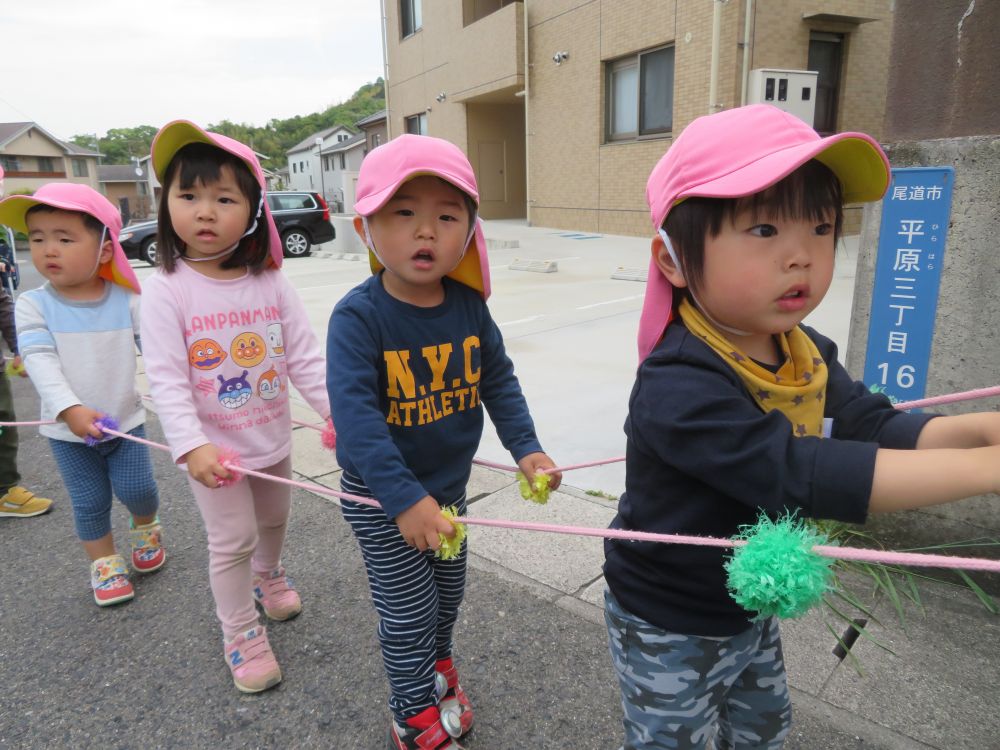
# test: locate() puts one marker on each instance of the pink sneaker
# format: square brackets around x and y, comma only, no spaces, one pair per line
[276,594]
[252,661]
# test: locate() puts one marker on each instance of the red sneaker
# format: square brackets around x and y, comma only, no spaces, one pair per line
[456,710]
[422,732]
[109,580]
[147,546]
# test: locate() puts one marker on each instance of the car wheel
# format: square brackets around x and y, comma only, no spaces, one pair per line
[148,252]
[296,243]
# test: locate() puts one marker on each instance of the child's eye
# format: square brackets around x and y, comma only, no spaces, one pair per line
[226,200]
[448,217]
[824,229]
[404,212]
[764,230]
[186,196]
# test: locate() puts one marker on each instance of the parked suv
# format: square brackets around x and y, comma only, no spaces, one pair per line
[302,219]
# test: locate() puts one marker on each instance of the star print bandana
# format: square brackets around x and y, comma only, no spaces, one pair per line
[798,387]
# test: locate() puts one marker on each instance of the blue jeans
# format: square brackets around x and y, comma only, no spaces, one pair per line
[91,473]
[678,690]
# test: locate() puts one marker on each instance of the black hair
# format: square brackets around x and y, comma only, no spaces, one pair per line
[93,225]
[201,162]
[811,192]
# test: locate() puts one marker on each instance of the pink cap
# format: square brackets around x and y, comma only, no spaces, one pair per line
[405,157]
[175,135]
[740,152]
[70,196]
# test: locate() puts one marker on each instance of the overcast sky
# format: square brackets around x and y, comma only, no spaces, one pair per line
[84,67]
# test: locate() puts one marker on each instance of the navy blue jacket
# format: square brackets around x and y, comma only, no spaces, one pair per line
[407,386]
[703,458]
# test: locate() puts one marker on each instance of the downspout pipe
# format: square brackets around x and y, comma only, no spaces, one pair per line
[713,79]
[385,71]
[747,26]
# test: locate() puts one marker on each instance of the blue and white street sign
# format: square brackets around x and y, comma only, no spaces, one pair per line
[915,214]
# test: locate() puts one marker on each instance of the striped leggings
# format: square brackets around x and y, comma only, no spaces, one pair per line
[416,597]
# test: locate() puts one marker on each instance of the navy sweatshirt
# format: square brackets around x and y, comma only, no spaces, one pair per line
[407,386]
[702,458]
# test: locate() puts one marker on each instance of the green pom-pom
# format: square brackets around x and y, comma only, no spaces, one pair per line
[776,572]
[451,548]
[537,491]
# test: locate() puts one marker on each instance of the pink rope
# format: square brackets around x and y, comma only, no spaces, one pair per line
[951,398]
[841,553]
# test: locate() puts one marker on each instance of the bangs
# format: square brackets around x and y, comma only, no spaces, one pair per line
[810,193]
[202,163]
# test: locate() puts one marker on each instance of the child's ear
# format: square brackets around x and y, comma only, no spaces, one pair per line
[359,229]
[666,263]
[107,250]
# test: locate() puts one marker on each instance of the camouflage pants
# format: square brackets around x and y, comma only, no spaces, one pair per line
[680,690]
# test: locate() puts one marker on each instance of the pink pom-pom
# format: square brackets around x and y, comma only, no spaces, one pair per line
[230,459]
[329,435]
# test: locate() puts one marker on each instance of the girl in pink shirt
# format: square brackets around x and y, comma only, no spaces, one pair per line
[225,334]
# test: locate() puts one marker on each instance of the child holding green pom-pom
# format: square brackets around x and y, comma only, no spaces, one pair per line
[413,356]
[728,415]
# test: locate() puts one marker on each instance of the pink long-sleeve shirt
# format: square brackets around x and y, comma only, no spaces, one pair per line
[219,356]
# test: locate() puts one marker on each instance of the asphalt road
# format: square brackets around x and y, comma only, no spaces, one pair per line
[150,673]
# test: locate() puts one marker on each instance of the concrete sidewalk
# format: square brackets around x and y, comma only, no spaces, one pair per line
[530,637]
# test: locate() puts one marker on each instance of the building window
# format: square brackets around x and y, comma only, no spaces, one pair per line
[10,163]
[295,168]
[343,161]
[640,94]
[143,188]
[410,17]
[341,138]
[80,168]
[825,56]
[417,124]
[46,164]
[376,140]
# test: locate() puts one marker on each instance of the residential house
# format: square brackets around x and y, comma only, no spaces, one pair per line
[127,186]
[340,164]
[375,128]
[303,158]
[32,156]
[564,106]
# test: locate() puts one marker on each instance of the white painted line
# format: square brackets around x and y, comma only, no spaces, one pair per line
[521,320]
[611,302]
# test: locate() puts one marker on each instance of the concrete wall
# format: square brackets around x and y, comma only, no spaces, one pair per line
[965,353]
[943,81]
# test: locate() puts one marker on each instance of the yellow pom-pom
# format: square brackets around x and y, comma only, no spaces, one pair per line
[451,548]
[12,369]
[536,491]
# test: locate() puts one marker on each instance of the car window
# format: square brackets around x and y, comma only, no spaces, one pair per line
[292,201]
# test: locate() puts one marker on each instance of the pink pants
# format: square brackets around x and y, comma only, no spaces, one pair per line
[246,525]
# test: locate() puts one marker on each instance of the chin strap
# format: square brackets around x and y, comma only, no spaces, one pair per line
[370,243]
[224,253]
[673,256]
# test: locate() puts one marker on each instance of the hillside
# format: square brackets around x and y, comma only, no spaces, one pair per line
[119,145]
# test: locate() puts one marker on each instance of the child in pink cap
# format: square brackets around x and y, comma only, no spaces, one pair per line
[414,355]
[231,335]
[78,334]
[739,409]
